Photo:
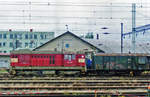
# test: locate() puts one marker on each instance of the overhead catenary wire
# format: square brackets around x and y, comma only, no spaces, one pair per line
[29,15]
[99,4]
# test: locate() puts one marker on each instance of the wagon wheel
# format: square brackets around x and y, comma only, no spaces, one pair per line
[131,73]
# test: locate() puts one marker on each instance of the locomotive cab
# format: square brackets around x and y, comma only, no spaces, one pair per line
[69,60]
[74,60]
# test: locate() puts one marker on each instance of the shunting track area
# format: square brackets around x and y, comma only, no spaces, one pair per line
[75,86]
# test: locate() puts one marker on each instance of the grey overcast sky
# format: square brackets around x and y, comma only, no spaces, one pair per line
[82,16]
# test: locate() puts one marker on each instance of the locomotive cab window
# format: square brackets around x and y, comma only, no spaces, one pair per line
[69,57]
[66,57]
[73,57]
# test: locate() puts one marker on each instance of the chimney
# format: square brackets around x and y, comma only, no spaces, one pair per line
[31,30]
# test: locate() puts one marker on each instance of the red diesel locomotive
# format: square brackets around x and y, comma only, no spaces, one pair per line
[26,60]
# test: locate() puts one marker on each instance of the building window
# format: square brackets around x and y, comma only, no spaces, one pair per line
[5,51]
[30,36]
[26,44]
[35,36]
[19,36]
[45,36]
[11,36]
[4,36]
[41,36]
[10,44]
[0,36]
[30,45]
[26,36]
[4,43]
[67,45]
[20,45]
[5,61]
[0,44]
[15,36]
[17,43]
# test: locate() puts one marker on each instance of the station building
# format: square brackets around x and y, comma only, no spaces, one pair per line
[68,42]
[13,40]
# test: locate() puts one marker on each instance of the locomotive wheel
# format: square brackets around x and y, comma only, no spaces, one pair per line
[57,72]
[12,72]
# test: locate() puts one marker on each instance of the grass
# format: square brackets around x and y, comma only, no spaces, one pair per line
[3,70]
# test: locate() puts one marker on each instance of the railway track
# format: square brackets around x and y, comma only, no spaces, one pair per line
[72,81]
[78,78]
[74,86]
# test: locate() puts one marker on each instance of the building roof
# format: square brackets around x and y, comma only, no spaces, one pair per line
[75,37]
[4,54]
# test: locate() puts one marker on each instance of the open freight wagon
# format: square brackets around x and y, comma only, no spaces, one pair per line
[120,63]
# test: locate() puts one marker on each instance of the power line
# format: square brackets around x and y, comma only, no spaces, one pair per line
[73,4]
[79,17]
[85,11]
[64,4]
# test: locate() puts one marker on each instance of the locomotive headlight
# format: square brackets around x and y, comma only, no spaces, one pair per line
[81,60]
[14,60]
[82,56]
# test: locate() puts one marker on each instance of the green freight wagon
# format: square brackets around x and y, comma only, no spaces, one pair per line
[121,63]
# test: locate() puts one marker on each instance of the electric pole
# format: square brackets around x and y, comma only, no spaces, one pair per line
[121,37]
[133,26]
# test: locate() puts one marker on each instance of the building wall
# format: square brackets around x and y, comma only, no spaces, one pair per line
[67,43]
[22,39]
[4,61]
